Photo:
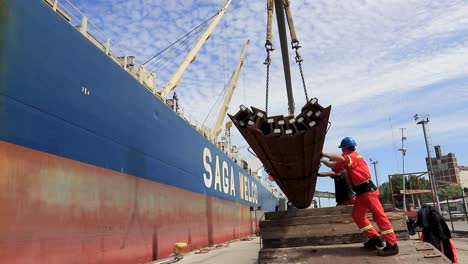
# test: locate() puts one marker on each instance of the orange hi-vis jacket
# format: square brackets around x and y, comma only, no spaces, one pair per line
[356,167]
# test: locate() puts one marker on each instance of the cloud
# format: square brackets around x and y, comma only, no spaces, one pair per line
[373,61]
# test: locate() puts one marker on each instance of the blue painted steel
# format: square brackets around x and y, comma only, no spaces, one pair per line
[120,125]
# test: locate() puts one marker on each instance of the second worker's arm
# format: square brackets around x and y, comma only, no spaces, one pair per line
[329,163]
[327,173]
[334,157]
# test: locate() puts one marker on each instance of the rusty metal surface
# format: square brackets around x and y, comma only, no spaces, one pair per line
[57,210]
[289,147]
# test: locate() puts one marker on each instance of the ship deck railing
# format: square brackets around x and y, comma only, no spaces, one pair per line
[80,22]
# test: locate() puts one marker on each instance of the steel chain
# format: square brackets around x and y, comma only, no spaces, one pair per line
[303,83]
[299,60]
[267,62]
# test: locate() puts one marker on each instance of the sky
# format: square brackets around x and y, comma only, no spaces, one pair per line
[376,62]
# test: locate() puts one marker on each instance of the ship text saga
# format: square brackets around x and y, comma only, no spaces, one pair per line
[219,176]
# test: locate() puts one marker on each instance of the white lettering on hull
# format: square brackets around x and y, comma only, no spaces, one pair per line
[223,179]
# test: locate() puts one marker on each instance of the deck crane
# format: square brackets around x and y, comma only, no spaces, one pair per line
[227,99]
[175,79]
[289,146]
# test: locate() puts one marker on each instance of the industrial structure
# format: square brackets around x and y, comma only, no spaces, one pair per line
[445,167]
[463,176]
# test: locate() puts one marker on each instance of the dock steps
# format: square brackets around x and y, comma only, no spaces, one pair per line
[320,226]
[329,235]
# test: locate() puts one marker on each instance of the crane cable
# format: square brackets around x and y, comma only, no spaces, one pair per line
[179,39]
[294,43]
[210,118]
[268,47]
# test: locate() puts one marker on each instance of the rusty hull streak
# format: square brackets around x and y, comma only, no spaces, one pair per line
[56,210]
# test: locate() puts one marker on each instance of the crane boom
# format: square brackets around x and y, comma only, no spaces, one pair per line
[284,51]
[175,79]
[227,99]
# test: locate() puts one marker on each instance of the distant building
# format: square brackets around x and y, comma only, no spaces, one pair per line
[463,176]
[446,169]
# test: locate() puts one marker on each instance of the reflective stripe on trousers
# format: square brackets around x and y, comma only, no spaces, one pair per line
[370,202]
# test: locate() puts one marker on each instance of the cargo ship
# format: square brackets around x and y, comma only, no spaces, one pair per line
[94,168]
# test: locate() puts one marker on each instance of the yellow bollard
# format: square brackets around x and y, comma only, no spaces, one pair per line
[179,248]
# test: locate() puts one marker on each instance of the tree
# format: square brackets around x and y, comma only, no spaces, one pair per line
[412,183]
[450,192]
[385,195]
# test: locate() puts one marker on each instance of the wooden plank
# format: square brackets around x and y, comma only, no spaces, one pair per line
[309,212]
[352,253]
[323,240]
[322,219]
[313,241]
[270,232]
[308,220]
[338,210]
[415,191]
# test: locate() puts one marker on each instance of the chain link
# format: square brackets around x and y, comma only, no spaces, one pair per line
[303,83]
[267,63]
[296,46]
[267,78]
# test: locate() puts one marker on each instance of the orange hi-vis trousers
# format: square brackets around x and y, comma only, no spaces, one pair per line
[369,201]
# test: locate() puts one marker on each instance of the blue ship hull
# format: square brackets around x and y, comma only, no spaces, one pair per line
[92,165]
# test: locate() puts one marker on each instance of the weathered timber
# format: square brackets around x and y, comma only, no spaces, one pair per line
[339,210]
[319,226]
[309,212]
[415,191]
[321,219]
[411,251]
[323,239]
[314,230]
[329,236]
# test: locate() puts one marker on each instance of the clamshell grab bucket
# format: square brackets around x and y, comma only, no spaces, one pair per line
[289,147]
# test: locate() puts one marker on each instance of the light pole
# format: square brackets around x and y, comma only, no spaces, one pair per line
[403,153]
[375,162]
[423,121]
[464,203]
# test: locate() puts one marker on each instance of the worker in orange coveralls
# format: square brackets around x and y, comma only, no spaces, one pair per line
[367,197]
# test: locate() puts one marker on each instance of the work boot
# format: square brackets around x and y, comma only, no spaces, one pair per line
[388,251]
[374,242]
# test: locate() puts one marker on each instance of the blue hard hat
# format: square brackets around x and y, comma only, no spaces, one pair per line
[347,142]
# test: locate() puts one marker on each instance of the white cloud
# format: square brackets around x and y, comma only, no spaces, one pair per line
[374,61]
